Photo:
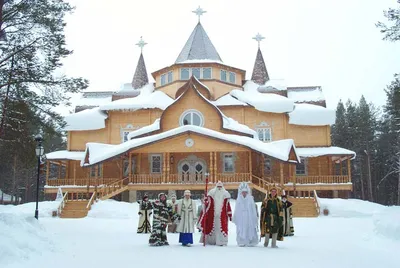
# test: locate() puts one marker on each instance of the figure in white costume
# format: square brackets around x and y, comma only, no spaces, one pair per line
[245,217]
[187,219]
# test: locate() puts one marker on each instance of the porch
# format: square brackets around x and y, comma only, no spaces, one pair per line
[179,170]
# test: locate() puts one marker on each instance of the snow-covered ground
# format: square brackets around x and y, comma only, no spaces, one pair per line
[355,234]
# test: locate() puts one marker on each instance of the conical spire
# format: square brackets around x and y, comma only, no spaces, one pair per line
[260,74]
[198,47]
[140,77]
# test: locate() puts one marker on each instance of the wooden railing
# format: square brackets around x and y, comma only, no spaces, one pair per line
[111,188]
[81,181]
[62,204]
[266,185]
[317,204]
[146,178]
[233,177]
[91,200]
[329,179]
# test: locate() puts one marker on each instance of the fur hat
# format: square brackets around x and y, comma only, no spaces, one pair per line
[284,196]
[145,196]
[187,192]
[219,184]
[173,195]
[160,194]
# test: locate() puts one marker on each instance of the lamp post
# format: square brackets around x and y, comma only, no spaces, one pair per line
[39,153]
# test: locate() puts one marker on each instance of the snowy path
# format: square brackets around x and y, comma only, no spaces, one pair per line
[103,242]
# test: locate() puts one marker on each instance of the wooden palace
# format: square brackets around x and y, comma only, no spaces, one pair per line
[201,118]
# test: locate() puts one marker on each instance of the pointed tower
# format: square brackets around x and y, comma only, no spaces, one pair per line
[199,45]
[260,74]
[140,77]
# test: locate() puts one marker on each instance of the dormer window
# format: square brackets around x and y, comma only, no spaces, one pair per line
[199,73]
[166,78]
[232,77]
[185,73]
[207,73]
[196,72]
[223,75]
[264,132]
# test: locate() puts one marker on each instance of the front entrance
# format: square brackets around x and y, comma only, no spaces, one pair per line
[192,170]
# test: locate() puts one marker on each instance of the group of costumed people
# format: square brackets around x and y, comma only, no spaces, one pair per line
[213,215]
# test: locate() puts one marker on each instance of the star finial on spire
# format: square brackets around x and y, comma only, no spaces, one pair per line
[199,11]
[141,44]
[258,38]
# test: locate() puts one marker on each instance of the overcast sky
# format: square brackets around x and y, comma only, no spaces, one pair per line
[331,43]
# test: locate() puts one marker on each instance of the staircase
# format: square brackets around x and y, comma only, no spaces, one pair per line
[75,209]
[304,207]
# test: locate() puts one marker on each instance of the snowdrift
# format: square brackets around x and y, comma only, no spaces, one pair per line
[21,234]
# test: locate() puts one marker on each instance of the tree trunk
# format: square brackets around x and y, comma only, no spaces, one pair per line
[398,183]
[5,101]
[369,181]
[362,182]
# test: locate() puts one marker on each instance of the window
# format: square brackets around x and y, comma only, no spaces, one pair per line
[125,132]
[96,171]
[196,72]
[267,166]
[155,163]
[232,77]
[163,79]
[229,162]
[207,73]
[126,167]
[223,75]
[301,168]
[191,117]
[170,77]
[264,132]
[185,73]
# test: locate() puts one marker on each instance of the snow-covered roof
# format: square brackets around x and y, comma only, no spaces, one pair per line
[305,94]
[320,151]
[266,102]
[311,115]
[65,155]
[198,47]
[202,61]
[94,99]
[228,100]
[146,100]
[90,119]
[99,152]
[273,85]
[127,90]
[228,123]
[144,130]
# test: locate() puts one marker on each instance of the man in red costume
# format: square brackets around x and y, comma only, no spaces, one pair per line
[215,215]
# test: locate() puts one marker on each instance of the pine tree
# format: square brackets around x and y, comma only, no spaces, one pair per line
[392,32]
[340,134]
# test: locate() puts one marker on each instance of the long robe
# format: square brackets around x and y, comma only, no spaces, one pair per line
[188,216]
[287,228]
[161,214]
[246,220]
[145,211]
[214,218]
[271,216]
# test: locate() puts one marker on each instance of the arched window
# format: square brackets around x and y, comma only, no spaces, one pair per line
[191,117]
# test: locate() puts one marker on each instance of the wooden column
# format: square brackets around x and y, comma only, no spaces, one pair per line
[168,166]
[164,170]
[139,163]
[294,174]
[210,166]
[67,169]
[47,171]
[59,169]
[330,166]
[130,167]
[74,172]
[341,167]
[281,173]
[250,166]
[262,166]
[215,167]
[349,169]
